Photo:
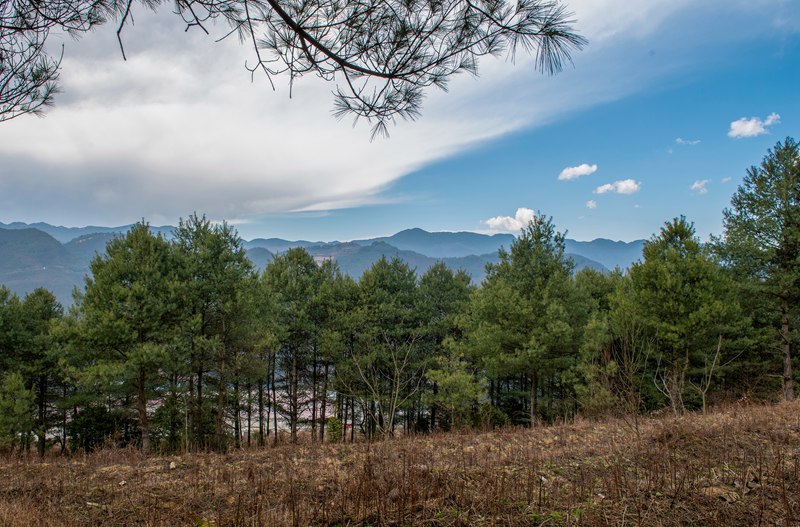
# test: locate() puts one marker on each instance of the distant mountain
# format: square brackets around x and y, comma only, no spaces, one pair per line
[26,249]
[354,259]
[277,245]
[444,244]
[65,234]
[58,257]
[30,258]
[609,253]
[85,247]
[260,257]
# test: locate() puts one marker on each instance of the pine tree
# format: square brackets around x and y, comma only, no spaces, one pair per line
[761,245]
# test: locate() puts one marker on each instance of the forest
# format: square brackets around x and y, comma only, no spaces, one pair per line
[180,345]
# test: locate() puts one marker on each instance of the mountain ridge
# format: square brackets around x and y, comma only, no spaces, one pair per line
[31,257]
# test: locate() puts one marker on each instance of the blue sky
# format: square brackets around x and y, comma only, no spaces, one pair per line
[649,107]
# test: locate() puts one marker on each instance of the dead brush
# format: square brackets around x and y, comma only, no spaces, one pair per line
[726,468]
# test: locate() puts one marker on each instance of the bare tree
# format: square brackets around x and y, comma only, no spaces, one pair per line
[381,54]
[383,386]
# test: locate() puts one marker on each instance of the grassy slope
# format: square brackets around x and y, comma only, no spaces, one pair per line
[737,467]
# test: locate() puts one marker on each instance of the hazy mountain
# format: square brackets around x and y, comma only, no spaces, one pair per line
[353,259]
[30,258]
[65,234]
[444,244]
[277,245]
[26,249]
[85,247]
[260,257]
[609,253]
[52,257]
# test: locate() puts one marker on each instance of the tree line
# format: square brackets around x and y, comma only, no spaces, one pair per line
[180,344]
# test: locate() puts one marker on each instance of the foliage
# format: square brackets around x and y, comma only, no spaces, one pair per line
[761,246]
[16,408]
[526,317]
[684,301]
[383,54]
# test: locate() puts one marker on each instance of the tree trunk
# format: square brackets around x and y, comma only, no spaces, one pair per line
[219,440]
[274,403]
[261,413]
[249,413]
[42,425]
[144,424]
[314,396]
[433,407]
[786,336]
[199,437]
[324,408]
[294,402]
[534,398]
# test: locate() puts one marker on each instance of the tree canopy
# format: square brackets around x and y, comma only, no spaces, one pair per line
[381,54]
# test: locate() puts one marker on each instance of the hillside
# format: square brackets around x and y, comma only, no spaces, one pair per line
[736,467]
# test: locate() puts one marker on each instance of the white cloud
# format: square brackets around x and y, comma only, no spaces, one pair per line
[699,186]
[576,172]
[623,186]
[682,141]
[725,180]
[509,224]
[591,204]
[753,127]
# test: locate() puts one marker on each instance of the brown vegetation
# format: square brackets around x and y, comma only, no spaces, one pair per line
[740,466]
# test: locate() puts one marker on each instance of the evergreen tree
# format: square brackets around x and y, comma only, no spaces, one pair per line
[761,245]
[213,271]
[386,362]
[293,282]
[127,319]
[685,302]
[38,357]
[443,296]
[16,411]
[527,318]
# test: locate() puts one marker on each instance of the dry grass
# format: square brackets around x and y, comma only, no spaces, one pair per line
[735,467]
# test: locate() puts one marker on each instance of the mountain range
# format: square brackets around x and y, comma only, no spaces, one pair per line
[43,255]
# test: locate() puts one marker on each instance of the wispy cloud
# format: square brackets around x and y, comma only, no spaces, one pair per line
[682,141]
[513,224]
[700,186]
[591,204]
[575,172]
[725,179]
[752,127]
[623,186]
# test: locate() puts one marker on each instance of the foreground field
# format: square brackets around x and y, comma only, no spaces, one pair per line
[737,467]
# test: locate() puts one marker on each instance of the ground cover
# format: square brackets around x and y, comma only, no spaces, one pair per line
[737,466]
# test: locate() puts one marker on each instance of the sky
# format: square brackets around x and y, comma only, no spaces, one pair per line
[660,115]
